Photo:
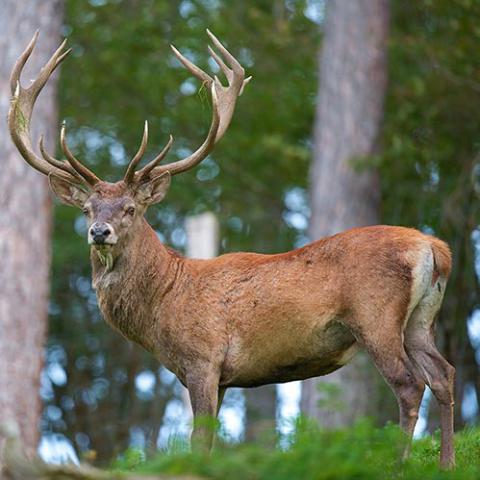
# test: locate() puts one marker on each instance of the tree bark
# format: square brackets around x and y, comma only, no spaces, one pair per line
[344,190]
[25,220]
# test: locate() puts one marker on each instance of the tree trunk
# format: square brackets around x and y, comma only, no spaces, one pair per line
[25,220]
[344,190]
[260,415]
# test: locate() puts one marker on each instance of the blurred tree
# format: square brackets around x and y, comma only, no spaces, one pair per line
[25,220]
[353,74]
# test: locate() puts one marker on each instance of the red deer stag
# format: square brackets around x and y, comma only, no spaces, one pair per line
[244,319]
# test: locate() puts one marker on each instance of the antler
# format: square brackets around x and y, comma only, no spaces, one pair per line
[144,172]
[23,100]
[223,105]
[20,113]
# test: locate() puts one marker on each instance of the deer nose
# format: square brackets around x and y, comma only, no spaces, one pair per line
[99,232]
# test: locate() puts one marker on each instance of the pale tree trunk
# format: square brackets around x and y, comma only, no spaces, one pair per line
[353,73]
[261,402]
[25,221]
[202,242]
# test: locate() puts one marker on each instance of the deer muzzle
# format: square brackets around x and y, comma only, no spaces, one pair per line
[102,233]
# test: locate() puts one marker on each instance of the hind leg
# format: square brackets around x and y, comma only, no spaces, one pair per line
[400,373]
[443,388]
[439,376]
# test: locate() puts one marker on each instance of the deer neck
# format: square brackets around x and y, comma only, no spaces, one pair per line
[141,272]
[132,289]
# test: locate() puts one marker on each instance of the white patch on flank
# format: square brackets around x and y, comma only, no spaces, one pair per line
[426,307]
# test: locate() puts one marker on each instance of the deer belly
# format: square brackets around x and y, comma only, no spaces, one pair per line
[288,357]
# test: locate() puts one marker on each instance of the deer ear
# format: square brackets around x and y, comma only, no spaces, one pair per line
[67,192]
[153,190]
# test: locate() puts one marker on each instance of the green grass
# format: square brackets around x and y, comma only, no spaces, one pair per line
[361,452]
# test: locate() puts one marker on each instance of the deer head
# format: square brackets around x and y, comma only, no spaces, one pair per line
[113,209]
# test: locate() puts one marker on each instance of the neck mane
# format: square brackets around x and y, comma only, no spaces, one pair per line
[141,258]
[138,290]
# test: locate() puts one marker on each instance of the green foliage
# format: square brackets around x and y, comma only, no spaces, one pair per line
[360,452]
[331,396]
[132,458]
[431,123]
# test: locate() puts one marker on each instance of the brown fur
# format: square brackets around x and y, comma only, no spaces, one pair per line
[245,319]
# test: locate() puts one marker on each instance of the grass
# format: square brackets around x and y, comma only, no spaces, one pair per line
[360,452]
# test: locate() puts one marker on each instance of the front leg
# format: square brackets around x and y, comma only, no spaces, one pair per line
[203,389]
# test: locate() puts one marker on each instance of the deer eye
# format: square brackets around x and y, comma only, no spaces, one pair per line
[130,211]
[86,211]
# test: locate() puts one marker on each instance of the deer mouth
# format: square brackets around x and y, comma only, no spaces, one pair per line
[103,247]
[102,243]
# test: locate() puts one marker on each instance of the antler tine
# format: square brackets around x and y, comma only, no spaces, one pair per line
[227,71]
[20,63]
[66,167]
[130,173]
[145,171]
[55,60]
[223,98]
[236,67]
[88,176]
[192,68]
[218,60]
[238,70]
[21,107]
[207,146]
